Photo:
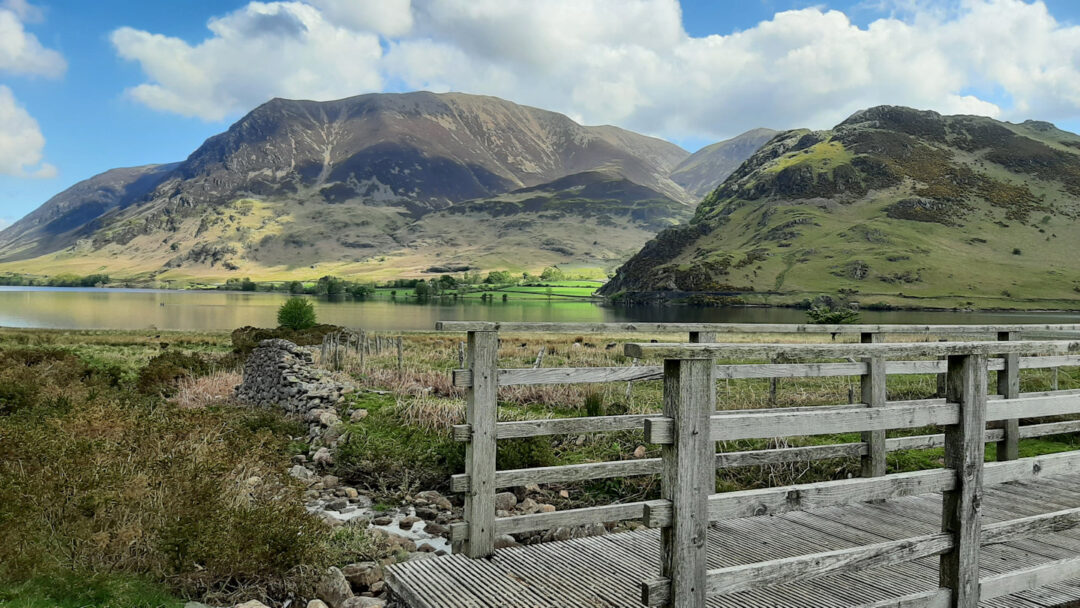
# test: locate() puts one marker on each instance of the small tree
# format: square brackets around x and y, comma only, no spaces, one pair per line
[296,314]
[552,273]
[825,310]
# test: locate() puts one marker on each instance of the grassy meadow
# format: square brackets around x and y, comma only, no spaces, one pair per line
[130,477]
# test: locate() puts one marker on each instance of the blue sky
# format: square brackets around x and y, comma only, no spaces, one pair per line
[153,91]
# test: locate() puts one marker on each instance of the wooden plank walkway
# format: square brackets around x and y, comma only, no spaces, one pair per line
[606,571]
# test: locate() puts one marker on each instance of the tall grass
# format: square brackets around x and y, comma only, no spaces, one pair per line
[97,479]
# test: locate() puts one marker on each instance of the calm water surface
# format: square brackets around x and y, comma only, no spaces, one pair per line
[78,308]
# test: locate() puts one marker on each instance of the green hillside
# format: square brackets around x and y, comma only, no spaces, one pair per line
[906,208]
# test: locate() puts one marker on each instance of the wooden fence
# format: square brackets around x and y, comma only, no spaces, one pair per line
[690,426]
[690,387]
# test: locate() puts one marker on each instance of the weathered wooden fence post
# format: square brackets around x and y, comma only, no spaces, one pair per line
[1008,386]
[481,414]
[701,337]
[873,385]
[961,513]
[688,478]
[400,356]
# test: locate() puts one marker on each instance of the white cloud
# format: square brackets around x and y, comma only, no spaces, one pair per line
[282,49]
[20,51]
[25,11]
[628,62]
[386,17]
[21,141]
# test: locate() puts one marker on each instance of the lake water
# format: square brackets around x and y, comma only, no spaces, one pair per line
[77,308]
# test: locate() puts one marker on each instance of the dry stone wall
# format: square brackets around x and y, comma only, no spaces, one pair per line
[280,373]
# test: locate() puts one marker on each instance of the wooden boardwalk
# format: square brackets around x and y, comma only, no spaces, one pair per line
[606,571]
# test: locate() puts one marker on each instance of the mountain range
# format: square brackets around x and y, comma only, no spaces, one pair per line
[893,207]
[380,185]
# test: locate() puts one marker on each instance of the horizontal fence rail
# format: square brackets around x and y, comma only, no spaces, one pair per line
[689,459]
[462,378]
[746,328]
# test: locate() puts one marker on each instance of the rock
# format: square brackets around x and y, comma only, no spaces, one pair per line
[330,482]
[351,492]
[195,605]
[436,529]
[427,513]
[329,419]
[505,501]
[377,587]
[337,505]
[302,473]
[407,523]
[358,415]
[251,604]
[532,488]
[334,589]
[317,604]
[393,541]
[428,548]
[363,574]
[564,494]
[547,508]
[363,602]
[323,457]
[528,506]
[640,452]
[383,521]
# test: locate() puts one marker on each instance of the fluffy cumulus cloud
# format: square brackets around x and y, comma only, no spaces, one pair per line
[21,141]
[628,62]
[20,51]
[282,49]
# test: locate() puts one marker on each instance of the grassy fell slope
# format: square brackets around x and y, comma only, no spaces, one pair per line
[297,189]
[908,208]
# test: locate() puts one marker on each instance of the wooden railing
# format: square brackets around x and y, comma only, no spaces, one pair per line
[482,378]
[690,426]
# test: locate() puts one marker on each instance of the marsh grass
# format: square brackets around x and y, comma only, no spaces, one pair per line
[200,392]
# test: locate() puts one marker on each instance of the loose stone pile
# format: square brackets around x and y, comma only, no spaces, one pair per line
[281,373]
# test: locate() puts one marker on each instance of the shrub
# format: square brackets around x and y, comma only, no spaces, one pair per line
[296,314]
[829,316]
[525,453]
[162,373]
